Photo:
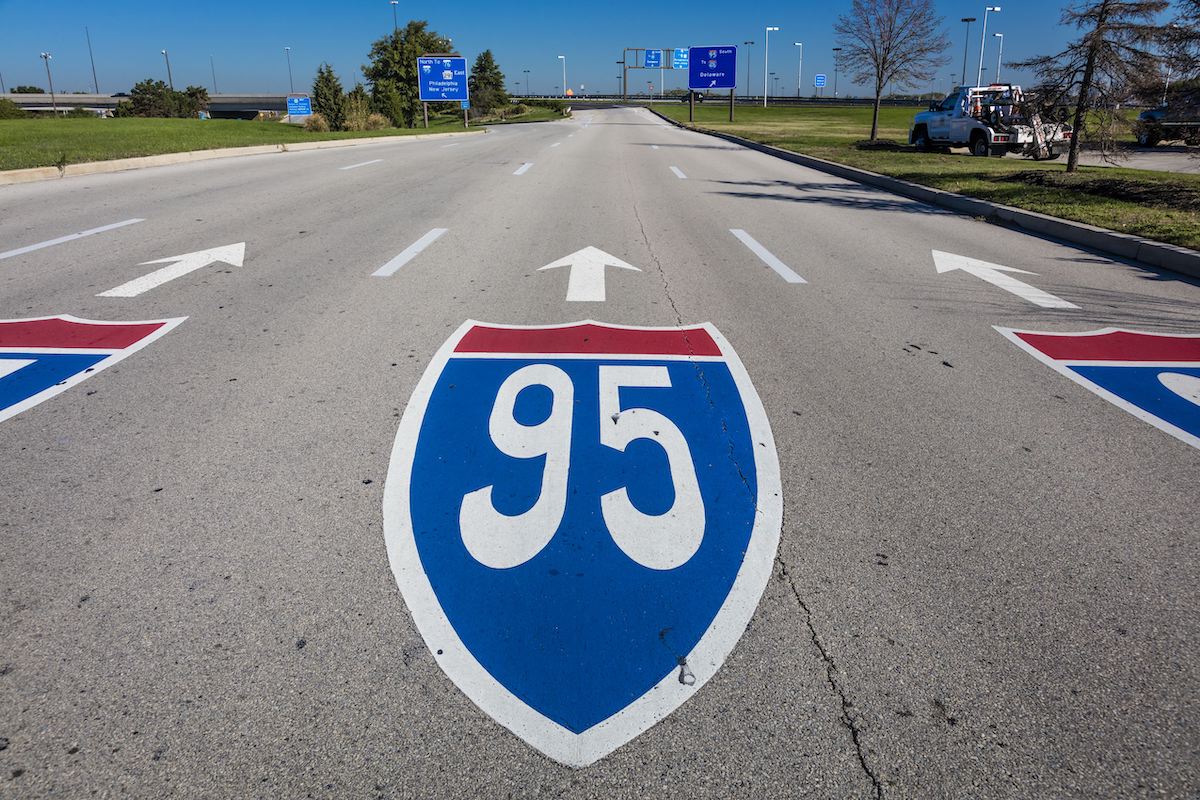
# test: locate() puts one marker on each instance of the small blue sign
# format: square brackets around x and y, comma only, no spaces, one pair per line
[712,68]
[442,78]
[679,58]
[819,80]
[465,104]
[299,105]
[654,59]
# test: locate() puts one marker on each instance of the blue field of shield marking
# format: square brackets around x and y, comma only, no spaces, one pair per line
[580,631]
[47,370]
[1140,386]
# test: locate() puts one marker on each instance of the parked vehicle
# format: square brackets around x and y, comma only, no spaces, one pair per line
[991,120]
[1180,121]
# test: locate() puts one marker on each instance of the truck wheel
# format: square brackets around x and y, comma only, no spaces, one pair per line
[979,146]
[1146,139]
[920,139]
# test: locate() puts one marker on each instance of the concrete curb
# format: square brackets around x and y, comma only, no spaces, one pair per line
[16,176]
[1122,245]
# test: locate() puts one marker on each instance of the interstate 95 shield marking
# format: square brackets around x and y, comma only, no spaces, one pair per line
[582,519]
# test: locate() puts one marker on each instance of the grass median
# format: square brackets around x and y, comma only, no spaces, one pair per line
[1156,205]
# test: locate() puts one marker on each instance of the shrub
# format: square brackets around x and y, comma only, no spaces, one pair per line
[554,105]
[10,110]
[377,122]
[317,123]
[358,109]
[124,109]
[81,113]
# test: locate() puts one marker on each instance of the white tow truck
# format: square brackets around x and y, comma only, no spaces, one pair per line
[990,120]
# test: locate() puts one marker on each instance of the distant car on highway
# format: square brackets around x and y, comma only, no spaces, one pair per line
[699,97]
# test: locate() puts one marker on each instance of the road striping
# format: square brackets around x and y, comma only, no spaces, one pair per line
[68,238]
[653,147]
[452,144]
[995,274]
[363,164]
[679,173]
[767,256]
[410,252]
[232,254]
[521,170]
[556,144]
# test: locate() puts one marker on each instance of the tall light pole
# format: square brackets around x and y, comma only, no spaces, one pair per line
[213,66]
[53,100]
[799,67]
[95,83]
[563,59]
[170,80]
[291,86]
[748,46]
[526,81]
[966,43]
[395,23]
[836,62]
[999,56]
[983,41]
[767,61]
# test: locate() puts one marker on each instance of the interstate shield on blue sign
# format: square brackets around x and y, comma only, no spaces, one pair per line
[1154,376]
[582,519]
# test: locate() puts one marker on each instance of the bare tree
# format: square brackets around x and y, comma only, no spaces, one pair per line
[1097,68]
[885,41]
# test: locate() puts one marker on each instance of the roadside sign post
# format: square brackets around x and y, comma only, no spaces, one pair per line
[711,68]
[819,83]
[442,77]
[299,108]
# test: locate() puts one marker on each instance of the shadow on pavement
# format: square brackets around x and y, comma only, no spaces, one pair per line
[841,195]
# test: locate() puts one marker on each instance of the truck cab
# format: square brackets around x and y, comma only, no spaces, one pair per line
[990,120]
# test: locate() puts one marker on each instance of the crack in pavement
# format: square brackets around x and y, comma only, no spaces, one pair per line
[847,717]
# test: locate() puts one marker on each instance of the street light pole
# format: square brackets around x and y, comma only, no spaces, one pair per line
[291,85]
[999,56]
[88,34]
[767,61]
[983,41]
[395,23]
[526,81]
[170,80]
[748,46]
[799,68]
[966,43]
[563,59]
[836,50]
[53,100]
[213,66]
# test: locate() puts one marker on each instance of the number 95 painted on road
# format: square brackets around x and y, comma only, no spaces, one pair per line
[582,519]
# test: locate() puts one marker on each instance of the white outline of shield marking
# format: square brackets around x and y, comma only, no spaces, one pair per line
[58,388]
[723,634]
[1060,366]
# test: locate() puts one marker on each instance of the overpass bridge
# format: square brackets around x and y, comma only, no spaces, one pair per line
[221,106]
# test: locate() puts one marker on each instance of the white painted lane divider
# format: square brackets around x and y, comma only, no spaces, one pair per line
[363,164]
[452,144]
[232,254]
[679,173]
[995,275]
[767,257]
[68,238]
[409,253]
[556,144]
[521,170]
[586,282]
[653,147]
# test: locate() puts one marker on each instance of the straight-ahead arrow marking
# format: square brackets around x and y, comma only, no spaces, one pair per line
[995,275]
[232,254]
[586,283]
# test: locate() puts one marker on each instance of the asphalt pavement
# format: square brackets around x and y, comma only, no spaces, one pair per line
[985,585]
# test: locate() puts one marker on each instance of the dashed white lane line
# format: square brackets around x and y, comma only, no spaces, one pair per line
[452,144]
[767,256]
[653,147]
[363,164]
[68,238]
[556,144]
[521,170]
[679,173]
[409,253]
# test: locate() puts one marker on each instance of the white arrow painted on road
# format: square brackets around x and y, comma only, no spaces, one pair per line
[586,283]
[232,254]
[995,275]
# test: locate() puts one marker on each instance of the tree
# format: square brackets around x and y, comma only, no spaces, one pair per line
[885,41]
[487,85]
[151,98]
[1096,70]
[392,72]
[28,90]
[329,99]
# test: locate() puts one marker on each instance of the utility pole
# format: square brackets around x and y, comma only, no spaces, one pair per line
[767,61]
[836,50]
[748,46]
[799,68]
[2,89]
[983,42]
[395,24]
[999,56]
[291,85]
[966,43]
[213,66]
[170,80]
[563,59]
[53,100]
[95,83]
[526,81]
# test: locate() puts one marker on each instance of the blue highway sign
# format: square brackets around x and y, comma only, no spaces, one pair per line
[712,68]
[679,58]
[819,80]
[654,59]
[442,78]
[299,105]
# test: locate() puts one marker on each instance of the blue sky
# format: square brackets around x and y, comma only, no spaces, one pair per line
[247,40]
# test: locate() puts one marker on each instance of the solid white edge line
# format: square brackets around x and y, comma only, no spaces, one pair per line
[767,257]
[363,164]
[408,254]
[679,173]
[68,238]
[521,170]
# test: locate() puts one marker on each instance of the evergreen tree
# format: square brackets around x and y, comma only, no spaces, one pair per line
[487,85]
[392,72]
[329,99]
